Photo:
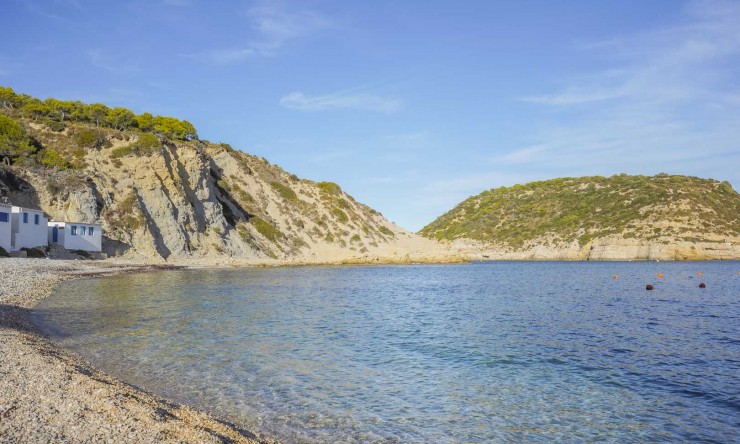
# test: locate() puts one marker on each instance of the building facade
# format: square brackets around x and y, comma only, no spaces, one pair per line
[75,235]
[29,228]
[6,231]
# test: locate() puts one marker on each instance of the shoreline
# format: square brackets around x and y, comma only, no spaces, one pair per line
[52,394]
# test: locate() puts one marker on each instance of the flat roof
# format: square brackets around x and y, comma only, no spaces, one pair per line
[73,223]
[26,208]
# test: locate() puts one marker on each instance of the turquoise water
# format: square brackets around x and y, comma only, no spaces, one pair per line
[484,352]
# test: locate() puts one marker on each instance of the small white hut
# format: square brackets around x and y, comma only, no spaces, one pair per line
[29,228]
[75,235]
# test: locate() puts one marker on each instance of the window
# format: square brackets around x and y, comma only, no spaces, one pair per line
[73,230]
[90,231]
[25,218]
[3,217]
[36,219]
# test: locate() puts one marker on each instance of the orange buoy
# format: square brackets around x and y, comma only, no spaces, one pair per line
[616,276]
[700,274]
[660,275]
[702,285]
[648,287]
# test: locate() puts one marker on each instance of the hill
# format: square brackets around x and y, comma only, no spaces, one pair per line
[161,193]
[617,217]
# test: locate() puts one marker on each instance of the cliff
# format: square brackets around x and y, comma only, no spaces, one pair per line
[164,197]
[621,217]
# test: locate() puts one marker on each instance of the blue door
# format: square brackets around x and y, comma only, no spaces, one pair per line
[54,234]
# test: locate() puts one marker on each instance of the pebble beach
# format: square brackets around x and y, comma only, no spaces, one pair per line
[50,394]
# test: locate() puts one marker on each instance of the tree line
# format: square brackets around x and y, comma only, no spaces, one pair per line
[57,112]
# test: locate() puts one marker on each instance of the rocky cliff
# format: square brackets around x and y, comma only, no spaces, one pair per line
[190,200]
[598,218]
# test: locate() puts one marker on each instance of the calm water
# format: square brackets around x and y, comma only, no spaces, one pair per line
[485,352]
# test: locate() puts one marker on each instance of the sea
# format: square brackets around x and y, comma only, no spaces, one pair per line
[480,352]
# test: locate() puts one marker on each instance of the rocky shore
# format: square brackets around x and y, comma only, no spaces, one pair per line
[49,394]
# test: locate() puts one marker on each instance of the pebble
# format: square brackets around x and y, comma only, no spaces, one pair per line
[44,395]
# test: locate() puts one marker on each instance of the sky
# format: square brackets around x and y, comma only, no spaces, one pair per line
[411,106]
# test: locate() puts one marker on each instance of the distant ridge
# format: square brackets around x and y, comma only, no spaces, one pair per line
[677,217]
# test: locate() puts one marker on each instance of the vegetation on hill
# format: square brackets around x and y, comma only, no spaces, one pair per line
[16,146]
[160,191]
[661,208]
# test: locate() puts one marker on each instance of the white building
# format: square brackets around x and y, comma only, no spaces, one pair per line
[6,231]
[29,228]
[75,235]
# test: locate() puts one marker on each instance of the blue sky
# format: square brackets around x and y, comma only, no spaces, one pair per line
[411,106]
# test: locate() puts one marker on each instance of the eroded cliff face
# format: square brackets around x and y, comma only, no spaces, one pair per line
[612,248]
[198,201]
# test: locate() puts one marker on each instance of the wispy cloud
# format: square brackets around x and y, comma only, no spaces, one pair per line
[274,25]
[669,98]
[114,64]
[359,101]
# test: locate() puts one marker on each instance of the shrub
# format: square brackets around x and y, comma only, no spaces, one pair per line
[244,233]
[14,142]
[123,151]
[3,253]
[55,125]
[266,229]
[385,230]
[88,138]
[329,188]
[147,144]
[340,215]
[285,191]
[51,158]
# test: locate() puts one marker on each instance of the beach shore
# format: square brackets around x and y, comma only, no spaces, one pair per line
[49,394]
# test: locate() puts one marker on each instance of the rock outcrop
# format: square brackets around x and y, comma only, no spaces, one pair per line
[203,202]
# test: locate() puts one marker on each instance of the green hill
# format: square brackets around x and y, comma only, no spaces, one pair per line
[659,209]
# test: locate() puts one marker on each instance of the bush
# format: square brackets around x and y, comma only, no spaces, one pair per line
[148,144]
[88,138]
[385,230]
[329,188]
[3,253]
[14,142]
[266,229]
[51,158]
[55,125]
[123,151]
[340,215]
[286,192]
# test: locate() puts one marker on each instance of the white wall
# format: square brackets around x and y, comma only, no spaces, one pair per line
[78,241]
[5,229]
[29,234]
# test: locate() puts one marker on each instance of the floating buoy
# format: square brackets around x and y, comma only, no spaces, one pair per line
[702,285]
[660,275]
[700,274]
[648,287]
[616,276]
